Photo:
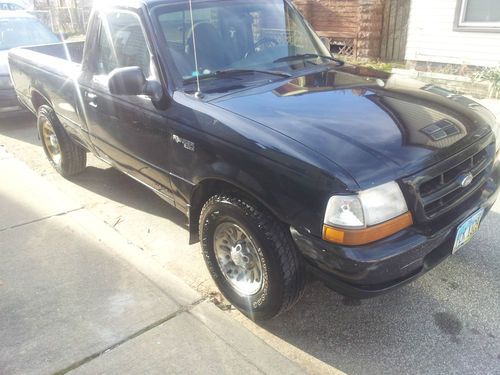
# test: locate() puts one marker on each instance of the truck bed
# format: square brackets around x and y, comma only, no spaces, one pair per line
[43,72]
[72,52]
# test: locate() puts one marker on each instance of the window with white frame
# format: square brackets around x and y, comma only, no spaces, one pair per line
[478,15]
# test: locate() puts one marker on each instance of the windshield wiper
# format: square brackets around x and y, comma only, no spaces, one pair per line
[305,56]
[234,72]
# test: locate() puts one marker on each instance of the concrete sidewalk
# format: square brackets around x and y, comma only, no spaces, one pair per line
[76,297]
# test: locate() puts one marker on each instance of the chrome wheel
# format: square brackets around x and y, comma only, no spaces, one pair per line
[238,259]
[51,142]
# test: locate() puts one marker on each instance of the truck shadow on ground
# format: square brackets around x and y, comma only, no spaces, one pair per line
[21,127]
[98,178]
[114,185]
[444,322]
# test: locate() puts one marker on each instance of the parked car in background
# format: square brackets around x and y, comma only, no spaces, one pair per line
[26,5]
[18,29]
[10,6]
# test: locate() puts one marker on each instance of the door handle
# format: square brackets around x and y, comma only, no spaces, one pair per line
[91,97]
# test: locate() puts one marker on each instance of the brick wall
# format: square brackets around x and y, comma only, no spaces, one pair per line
[371,14]
[360,20]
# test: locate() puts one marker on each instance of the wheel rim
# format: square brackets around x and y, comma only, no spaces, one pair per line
[238,259]
[51,142]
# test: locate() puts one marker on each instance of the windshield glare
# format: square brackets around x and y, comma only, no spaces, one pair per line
[18,32]
[234,35]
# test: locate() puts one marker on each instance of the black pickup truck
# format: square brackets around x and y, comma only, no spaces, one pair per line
[282,157]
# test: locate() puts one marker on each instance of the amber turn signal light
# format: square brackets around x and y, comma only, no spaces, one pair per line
[356,237]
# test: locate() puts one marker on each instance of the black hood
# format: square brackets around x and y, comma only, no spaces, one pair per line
[373,125]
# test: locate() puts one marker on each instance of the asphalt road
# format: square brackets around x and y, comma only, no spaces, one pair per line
[443,323]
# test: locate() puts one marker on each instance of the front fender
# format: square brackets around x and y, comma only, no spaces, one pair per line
[211,144]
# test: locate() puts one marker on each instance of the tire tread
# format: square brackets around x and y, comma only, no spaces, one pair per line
[74,156]
[291,264]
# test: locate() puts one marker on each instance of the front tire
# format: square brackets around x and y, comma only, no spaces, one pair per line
[67,157]
[251,257]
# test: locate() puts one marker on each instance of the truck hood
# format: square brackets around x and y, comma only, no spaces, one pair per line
[4,64]
[375,126]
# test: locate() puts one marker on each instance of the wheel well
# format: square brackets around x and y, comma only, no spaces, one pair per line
[205,190]
[38,100]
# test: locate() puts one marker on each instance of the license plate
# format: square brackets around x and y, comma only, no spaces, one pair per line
[467,230]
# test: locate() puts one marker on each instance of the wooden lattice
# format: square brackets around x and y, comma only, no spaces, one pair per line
[343,47]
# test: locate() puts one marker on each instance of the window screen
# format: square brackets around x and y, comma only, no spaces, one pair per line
[482,11]
[478,15]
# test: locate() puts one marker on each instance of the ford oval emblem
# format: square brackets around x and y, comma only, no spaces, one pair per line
[465,179]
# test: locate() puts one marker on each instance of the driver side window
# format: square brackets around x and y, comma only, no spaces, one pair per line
[121,44]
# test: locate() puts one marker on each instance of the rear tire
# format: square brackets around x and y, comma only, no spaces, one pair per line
[261,240]
[67,157]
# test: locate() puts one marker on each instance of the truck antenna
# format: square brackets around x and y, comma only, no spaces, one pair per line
[198,93]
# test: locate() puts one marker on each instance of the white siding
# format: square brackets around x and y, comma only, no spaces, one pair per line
[431,37]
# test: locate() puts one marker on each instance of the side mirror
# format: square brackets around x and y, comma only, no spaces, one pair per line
[131,81]
[326,42]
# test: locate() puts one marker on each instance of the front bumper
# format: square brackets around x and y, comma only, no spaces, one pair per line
[370,270]
[9,104]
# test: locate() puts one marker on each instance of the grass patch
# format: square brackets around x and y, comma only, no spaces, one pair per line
[492,76]
[385,66]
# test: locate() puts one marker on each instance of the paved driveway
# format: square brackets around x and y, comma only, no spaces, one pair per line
[446,322]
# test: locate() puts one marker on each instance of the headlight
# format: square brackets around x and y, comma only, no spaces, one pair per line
[367,217]
[5,83]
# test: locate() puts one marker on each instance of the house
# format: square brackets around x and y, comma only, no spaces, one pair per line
[457,32]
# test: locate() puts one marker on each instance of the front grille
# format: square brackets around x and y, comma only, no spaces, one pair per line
[440,189]
[444,190]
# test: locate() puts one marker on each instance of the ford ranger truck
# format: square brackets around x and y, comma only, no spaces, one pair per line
[283,158]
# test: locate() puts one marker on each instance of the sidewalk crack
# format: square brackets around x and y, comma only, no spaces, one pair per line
[40,219]
[225,341]
[182,309]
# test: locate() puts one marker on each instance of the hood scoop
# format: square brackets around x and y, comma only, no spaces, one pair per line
[441,130]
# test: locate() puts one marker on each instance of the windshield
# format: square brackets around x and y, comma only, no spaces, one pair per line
[18,32]
[256,35]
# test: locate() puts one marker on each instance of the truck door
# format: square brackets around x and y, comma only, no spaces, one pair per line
[118,125]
